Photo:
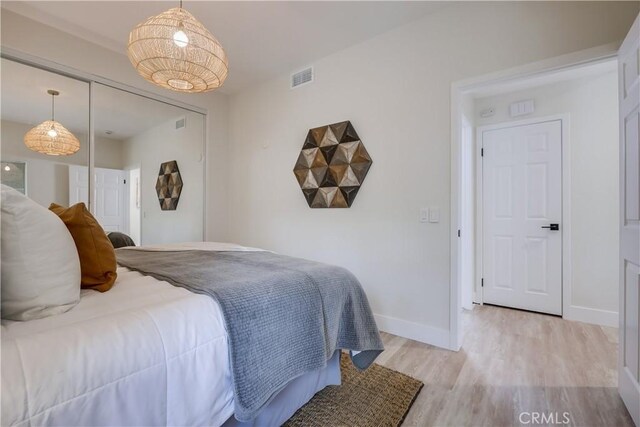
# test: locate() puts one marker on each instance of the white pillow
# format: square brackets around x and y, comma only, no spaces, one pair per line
[40,263]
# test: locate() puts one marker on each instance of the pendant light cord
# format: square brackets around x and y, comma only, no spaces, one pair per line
[53,109]
[180,4]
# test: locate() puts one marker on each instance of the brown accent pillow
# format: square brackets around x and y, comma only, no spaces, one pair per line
[97,256]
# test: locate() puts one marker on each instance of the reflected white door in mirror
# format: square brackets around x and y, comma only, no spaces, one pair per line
[110,188]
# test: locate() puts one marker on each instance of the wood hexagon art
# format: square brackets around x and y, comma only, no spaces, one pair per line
[169,186]
[332,166]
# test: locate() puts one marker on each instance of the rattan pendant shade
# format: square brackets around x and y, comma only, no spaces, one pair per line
[175,51]
[50,137]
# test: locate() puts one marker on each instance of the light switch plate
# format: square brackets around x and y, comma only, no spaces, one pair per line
[434,215]
[424,215]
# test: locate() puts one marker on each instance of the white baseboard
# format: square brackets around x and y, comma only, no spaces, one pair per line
[414,331]
[591,315]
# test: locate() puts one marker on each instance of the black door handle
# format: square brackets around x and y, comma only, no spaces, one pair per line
[552,227]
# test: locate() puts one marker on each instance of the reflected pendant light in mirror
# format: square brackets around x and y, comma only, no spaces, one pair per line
[50,137]
[175,51]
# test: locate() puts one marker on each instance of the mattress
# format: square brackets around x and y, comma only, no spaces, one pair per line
[144,353]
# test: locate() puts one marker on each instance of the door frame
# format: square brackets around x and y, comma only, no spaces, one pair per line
[462,88]
[468,182]
[565,220]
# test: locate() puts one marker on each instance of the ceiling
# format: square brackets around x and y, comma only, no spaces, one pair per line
[25,100]
[262,39]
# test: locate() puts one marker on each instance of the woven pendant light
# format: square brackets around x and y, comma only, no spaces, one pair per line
[175,51]
[50,137]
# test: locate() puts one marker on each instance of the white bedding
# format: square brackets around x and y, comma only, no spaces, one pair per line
[143,353]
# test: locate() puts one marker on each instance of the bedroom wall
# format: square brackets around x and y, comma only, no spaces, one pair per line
[48,177]
[147,151]
[395,89]
[109,153]
[23,34]
[592,105]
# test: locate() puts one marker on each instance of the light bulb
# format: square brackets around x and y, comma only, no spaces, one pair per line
[7,168]
[52,133]
[180,38]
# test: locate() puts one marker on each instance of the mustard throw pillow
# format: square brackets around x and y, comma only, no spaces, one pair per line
[97,256]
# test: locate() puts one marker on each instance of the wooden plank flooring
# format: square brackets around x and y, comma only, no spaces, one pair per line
[513,362]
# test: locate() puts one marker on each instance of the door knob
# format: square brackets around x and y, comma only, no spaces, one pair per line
[552,227]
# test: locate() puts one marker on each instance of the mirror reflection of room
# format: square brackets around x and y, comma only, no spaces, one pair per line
[44,131]
[135,139]
[143,136]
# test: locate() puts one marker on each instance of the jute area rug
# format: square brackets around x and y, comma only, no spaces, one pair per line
[376,397]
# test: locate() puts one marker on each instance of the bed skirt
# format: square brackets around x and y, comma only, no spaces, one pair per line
[294,396]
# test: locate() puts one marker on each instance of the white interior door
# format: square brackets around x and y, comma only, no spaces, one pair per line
[110,189]
[78,185]
[629,98]
[110,199]
[522,199]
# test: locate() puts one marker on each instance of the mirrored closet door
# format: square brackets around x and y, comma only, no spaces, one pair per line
[149,167]
[148,155]
[44,134]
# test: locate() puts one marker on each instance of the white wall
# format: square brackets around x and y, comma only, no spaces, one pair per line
[592,104]
[147,151]
[48,176]
[109,153]
[28,36]
[395,89]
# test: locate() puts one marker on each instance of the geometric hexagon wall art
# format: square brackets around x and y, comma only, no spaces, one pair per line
[332,166]
[169,186]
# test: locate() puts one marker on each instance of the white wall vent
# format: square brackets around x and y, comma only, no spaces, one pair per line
[302,77]
[181,123]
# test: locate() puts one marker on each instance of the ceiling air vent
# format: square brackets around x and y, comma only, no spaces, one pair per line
[181,123]
[302,77]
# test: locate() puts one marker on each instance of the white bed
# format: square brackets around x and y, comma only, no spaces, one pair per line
[143,353]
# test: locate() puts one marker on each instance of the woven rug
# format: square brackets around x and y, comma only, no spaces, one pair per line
[376,397]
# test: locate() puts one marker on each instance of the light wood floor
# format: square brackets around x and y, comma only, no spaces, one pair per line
[513,361]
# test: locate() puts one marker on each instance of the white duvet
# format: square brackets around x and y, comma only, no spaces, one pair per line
[156,352]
